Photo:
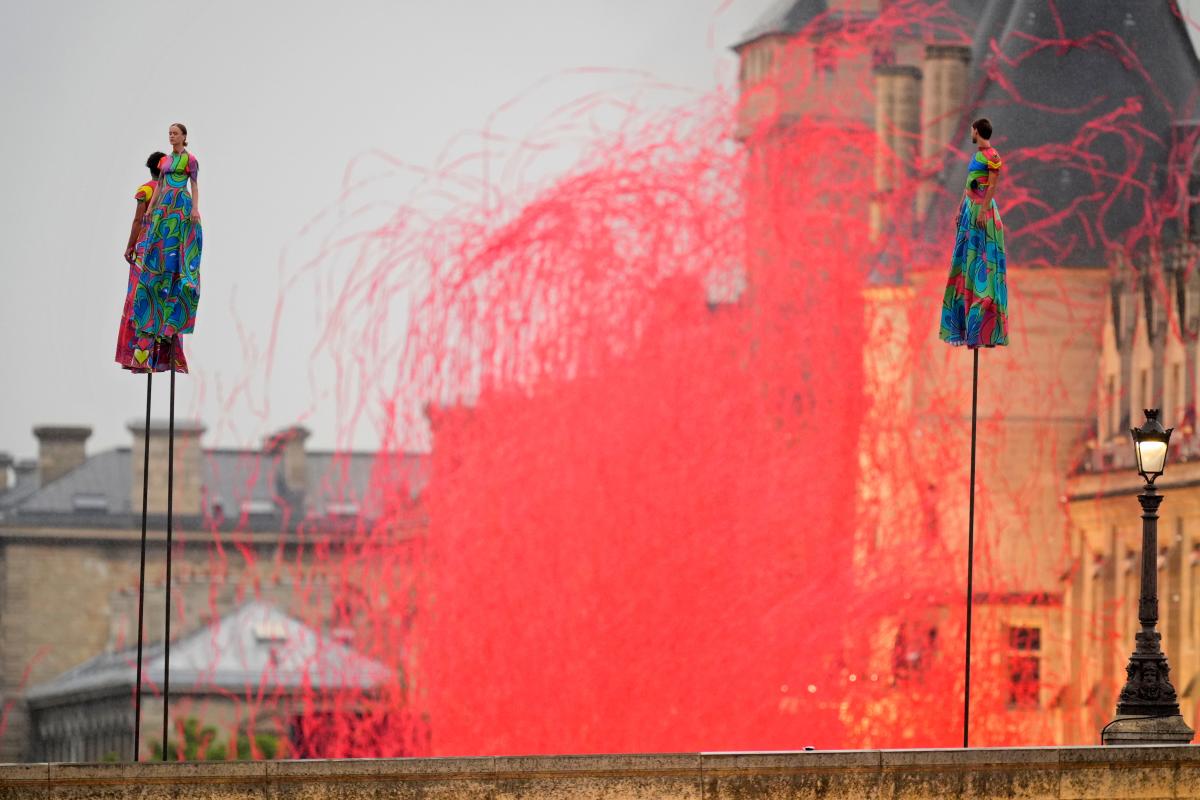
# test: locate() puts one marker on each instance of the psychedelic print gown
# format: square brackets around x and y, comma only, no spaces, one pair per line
[168,288]
[975,305]
[135,352]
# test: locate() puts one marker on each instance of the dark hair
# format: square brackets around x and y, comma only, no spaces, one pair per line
[152,163]
[983,125]
[183,128]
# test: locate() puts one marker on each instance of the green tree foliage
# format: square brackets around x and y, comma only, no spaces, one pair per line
[200,744]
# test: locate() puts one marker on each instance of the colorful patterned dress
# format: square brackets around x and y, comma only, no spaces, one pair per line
[168,288]
[975,305]
[135,352]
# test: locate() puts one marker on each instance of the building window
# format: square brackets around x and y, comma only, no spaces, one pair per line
[1024,667]
[824,60]
[1194,569]
[1143,393]
[913,652]
[1110,408]
[1172,402]
[757,63]
[750,61]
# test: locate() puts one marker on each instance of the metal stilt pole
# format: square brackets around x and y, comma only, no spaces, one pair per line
[170,521]
[137,695]
[971,552]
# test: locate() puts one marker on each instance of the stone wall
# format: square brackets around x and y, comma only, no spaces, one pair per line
[1092,772]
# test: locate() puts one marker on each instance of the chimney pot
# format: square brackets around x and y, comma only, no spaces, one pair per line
[288,446]
[6,462]
[61,448]
[27,473]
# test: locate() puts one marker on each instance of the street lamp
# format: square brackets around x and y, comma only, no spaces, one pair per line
[1148,708]
[1150,445]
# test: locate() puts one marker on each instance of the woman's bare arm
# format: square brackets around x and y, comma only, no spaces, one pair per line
[150,204]
[993,179]
[135,230]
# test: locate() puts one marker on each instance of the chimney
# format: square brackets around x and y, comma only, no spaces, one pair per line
[897,126]
[288,446]
[60,449]
[942,98]
[27,474]
[189,466]
[6,462]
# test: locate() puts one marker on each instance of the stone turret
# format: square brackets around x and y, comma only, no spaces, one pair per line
[942,97]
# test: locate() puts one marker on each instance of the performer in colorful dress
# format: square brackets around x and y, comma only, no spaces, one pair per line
[168,288]
[135,352]
[975,305]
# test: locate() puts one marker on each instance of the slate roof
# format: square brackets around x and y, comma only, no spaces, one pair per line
[255,647]
[1049,97]
[1129,54]
[789,17]
[26,485]
[98,492]
[785,17]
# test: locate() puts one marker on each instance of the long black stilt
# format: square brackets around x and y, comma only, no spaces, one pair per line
[971,552]
[170,522]
[137,694]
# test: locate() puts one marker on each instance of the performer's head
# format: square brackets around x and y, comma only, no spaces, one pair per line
[981,130]
[152,164]
[177,134]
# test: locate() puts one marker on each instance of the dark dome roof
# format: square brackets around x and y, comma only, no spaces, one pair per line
[1085,98]
[783,17]
[789,17]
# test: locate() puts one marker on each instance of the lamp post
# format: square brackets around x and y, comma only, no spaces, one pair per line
[1148,709]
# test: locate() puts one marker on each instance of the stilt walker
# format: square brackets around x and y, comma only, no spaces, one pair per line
[140,353]
[975,315]
[160,304]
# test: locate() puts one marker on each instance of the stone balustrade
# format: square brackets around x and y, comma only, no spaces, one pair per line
[1073,772]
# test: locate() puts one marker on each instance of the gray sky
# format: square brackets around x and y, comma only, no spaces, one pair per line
[279,98]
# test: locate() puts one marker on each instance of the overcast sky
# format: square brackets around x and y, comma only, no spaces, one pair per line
[279,98]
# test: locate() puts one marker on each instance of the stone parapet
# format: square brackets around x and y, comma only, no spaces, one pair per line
[982,774]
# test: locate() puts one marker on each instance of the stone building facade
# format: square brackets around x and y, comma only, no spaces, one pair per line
[1149,360]
[1057,522]
[246,526]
